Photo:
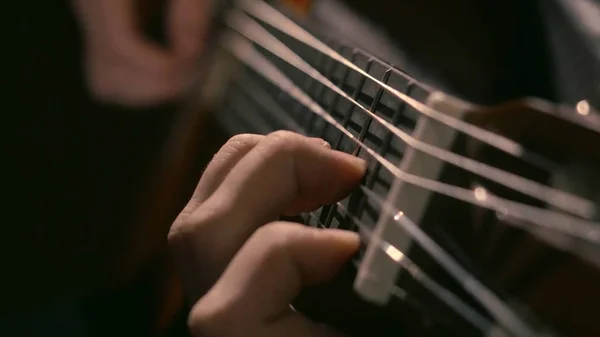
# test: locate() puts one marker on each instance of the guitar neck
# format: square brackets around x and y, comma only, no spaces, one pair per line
[433,158]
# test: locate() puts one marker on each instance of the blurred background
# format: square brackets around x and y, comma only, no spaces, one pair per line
[78,165]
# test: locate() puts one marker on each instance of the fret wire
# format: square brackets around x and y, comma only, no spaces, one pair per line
[336,97]
[255,123]
[402,294]
[563,200]
[274,18]
[428,287]
[357,90]
[328,215]
[499,310]
[346,119]
[254,92]
[566,224]
[503,314]
[243,120]
[443,294]
[372,178]
[369,120]
[318,91]
[310,84]
[446,296]
[329,124]
[328,212]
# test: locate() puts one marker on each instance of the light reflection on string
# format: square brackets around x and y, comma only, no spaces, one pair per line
[480,193]
[274,18]
[500,311]
[553,220]
[574,204]
[443,294]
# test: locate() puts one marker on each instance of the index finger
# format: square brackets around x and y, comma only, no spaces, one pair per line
[284,173]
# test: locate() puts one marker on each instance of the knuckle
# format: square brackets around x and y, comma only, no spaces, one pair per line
[277,236]
[270,231]
[233,145]
[190,225]
[283,140]
[283,135]
[210,317]
[241,138]
[198,322]
[203,321]
[282,144]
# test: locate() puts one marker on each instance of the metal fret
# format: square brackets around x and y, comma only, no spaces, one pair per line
[368,104]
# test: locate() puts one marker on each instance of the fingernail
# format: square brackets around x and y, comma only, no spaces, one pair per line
[346,236]
[358,163]
[321,142]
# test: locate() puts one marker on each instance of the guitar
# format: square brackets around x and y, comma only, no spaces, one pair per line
[477,219]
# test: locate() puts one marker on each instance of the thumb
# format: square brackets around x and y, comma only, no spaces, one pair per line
[278,261]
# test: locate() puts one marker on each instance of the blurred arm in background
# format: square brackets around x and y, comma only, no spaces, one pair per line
[123,66]
[92,101]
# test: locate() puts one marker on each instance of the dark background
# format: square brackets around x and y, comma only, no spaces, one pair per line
[73,170]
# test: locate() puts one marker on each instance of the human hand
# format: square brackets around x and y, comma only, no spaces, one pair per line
[123,67]
[253,296]
[252,181]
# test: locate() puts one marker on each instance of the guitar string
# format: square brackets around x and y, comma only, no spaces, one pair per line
[247,85]
[396,291]
[442,293]
[566,224]
[565,201]
[252,91]
[275,19]
[271,16]
[446,296]
[471,284]
[524,212]
[244,51]
[564,243]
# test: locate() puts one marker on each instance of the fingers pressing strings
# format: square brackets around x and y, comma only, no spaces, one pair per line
[271,269]
[282,173]
[218,168]
[222,163]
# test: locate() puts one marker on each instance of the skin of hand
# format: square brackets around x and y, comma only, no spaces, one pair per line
[227,239]
[123,67]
